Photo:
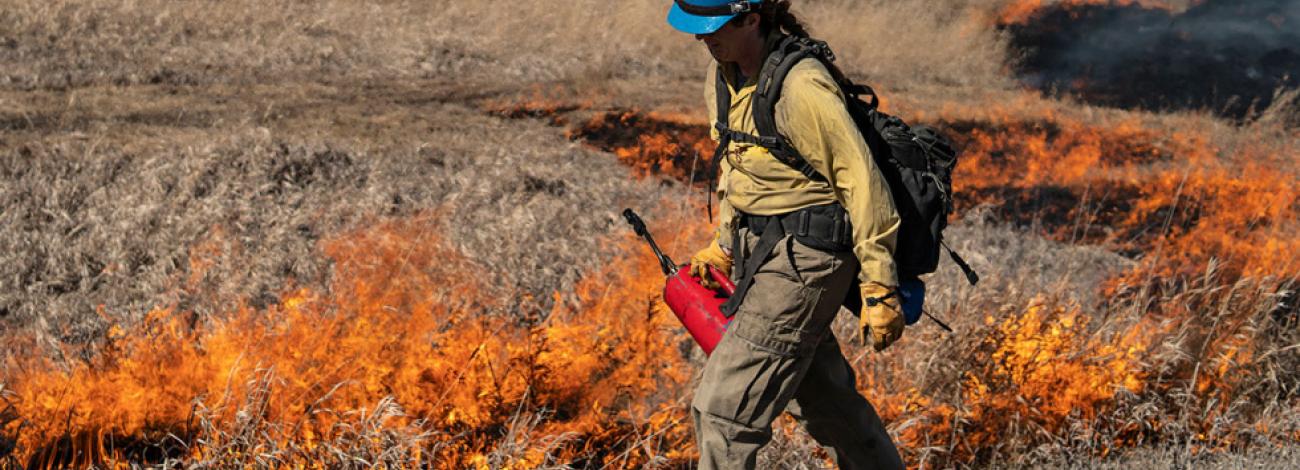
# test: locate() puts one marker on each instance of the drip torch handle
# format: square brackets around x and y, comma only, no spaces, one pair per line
[638,225]
[722,280]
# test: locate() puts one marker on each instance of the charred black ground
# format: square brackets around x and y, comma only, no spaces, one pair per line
[1228,56]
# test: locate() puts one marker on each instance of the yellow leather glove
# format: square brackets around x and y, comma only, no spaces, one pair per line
[713,255]
[882,323]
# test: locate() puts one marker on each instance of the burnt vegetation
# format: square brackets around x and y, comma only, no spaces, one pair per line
[1231,58]
[351,235]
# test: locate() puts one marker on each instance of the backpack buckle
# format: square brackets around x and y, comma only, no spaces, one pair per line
[769,142]
[820,49]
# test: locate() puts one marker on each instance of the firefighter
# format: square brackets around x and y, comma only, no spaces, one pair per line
[779,352]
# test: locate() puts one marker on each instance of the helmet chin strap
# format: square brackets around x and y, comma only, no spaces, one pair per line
[733,8]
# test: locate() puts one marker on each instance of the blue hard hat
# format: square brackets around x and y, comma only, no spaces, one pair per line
[706,16]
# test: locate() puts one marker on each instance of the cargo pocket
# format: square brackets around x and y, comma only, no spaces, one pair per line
[777,314]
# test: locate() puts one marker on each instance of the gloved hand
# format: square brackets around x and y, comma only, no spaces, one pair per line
[713,255]
[882,323]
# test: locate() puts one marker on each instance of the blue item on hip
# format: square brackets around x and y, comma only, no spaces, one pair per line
[913,293]
[702,24]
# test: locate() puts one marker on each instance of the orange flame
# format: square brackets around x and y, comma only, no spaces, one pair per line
[655,143]
[1021,11]
[1172,196]
[407,357]
[403,320]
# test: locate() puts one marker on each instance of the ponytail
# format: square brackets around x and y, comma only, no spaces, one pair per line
[776,14]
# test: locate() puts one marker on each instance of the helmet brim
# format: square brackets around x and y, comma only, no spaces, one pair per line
[692,24]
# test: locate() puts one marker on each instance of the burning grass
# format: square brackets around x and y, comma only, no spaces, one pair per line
[670,145]
[1023,11]
[1139,277]
[393,364]
[1170,352]
[652,143]
[1172,198]
[1030,386]
[402,360]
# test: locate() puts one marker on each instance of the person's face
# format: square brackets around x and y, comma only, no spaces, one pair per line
[726,43]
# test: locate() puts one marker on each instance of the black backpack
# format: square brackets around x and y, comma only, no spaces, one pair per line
[917,161]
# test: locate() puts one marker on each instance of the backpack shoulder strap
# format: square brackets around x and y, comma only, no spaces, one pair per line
[722,123]
[771,79]
[723,102]
[722,99]
[727,135]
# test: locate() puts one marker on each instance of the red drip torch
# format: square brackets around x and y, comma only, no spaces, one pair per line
[695,305]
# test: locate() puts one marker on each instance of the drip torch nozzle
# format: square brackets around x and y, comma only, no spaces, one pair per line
[638,225]
[635,221]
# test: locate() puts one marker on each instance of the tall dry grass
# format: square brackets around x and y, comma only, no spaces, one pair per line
[193,153]
[119,115]
[95,233]
[66,44]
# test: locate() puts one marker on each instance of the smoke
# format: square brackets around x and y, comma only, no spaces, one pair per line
[1228,56]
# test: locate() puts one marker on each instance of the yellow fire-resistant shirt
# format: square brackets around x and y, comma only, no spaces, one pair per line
[812,114]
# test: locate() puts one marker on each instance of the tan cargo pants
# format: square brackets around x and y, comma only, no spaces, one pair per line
[779,354]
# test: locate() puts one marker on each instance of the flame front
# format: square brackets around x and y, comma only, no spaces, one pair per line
[1214,230]
[397,359]
[410,359]
[1021,11]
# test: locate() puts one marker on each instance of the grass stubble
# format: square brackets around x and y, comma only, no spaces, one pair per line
[138,137]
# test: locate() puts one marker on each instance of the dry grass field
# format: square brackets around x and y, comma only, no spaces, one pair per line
[345,234]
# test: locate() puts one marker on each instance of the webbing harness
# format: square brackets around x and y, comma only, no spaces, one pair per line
[904,152]
[750,262]
[824,228]
[769,86]
[772,229]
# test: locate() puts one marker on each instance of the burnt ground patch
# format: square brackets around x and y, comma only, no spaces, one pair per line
[1099,214]
[650,143]
[1226,56]
[89,449]
[1064,212]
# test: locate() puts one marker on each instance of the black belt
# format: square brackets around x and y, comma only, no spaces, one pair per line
[824,227]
